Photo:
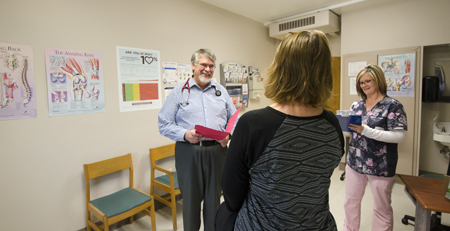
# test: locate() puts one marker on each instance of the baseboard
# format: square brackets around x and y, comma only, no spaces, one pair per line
[158,205]
[421,172]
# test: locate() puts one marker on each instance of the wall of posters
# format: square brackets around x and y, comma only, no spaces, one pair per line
[399,71]
[74,81]
[17,91]
[139,82]
[170,73]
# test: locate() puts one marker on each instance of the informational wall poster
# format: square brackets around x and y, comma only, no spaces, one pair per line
[399,71]
[355,67]
[139,79]
[74,81]
[353,86]
[170,73]
[184,72]
[17,91]
[167,91]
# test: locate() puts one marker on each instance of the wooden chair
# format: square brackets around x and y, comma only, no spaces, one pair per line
[168,182]
[121,204]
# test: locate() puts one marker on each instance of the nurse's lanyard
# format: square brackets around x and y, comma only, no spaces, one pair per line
[188,88]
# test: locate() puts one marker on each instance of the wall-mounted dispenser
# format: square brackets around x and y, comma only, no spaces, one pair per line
[255,83]
[430,89]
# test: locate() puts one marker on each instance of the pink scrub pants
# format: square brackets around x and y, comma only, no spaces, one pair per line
[355,185]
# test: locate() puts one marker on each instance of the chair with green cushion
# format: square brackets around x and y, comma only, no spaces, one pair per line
[168,182]
[119,205]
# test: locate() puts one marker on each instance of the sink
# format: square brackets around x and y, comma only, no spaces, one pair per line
[441,133]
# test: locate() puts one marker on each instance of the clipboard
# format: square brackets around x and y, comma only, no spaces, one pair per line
[344,121]
[216,134]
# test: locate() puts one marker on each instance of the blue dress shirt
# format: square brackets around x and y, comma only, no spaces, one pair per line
[204,108]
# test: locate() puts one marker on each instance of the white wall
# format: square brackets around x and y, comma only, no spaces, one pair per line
[402,24]
[42,184]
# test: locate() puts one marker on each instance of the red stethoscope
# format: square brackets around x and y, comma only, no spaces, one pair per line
[188,88]
[185,86]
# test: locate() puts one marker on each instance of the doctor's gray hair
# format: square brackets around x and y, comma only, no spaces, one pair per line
[205,53]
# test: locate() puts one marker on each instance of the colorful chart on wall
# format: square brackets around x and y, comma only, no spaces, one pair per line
[399,71]
[184,72]
[139,81]
[17,91]
[74,81]
[169,73]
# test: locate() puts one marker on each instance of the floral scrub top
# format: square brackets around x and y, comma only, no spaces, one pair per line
[369,156]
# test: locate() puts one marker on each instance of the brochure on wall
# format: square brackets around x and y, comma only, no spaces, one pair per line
[17,91]
[184,72]
[353,86]
[139,82]
[399,71]
[355,67]
[170,73]
[245,89]
[167,91]
[74,81]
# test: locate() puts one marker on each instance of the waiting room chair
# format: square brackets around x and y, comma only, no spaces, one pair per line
[168,182]
[435,217]
[119,205]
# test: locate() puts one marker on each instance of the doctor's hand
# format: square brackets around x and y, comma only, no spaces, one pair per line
[356,127]
[192,137]
[224,142]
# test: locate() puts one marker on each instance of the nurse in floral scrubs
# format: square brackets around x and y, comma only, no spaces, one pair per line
[372,156]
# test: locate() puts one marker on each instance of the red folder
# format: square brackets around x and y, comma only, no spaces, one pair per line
[216,134]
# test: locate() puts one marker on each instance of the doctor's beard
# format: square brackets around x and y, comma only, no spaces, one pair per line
[204,79]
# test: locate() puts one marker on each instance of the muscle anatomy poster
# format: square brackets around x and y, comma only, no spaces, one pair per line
[74,81]
[17,91]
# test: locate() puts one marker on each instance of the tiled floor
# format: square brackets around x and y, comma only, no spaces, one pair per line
[400,202]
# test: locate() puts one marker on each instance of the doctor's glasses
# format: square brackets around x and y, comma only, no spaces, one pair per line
[204,66]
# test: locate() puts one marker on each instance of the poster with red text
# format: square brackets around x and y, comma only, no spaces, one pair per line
[139,79]
[74,81]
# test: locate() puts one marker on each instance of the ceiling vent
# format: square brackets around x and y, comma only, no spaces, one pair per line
[325,21]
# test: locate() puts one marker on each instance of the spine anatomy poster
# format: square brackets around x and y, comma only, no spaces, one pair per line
[74,81]
[17,91]
[139,79]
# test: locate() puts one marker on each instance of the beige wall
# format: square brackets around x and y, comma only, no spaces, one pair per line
[41,178]
[400,24]
[42,185]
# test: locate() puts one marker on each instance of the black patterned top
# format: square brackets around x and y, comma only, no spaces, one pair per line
[278,168]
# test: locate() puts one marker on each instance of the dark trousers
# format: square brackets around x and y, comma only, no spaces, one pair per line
[199,173]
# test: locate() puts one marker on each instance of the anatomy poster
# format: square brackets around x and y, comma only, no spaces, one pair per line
[399,71]
[74,81]
[17,91]
[139,79]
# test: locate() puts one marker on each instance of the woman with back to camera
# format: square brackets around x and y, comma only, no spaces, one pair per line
[280,160]
[372,154]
